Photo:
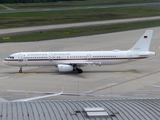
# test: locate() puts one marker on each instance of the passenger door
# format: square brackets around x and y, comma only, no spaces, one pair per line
[20,58]
[51,57]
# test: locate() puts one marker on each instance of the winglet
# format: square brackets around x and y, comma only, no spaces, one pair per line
[39,97]
[143,43]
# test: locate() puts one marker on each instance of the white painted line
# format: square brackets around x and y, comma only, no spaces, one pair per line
[4,77]
[112,95]
[24,91]
[154,86]
[3,100]
[140,94]
[111,84]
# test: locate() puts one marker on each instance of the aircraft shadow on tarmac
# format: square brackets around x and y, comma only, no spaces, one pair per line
[74,72]
[112,71]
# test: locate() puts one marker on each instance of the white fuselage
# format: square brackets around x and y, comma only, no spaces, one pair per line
[79,57]
[71,61]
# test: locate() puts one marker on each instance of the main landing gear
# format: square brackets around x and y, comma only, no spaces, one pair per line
[20,70]
[75,68]
[79,70]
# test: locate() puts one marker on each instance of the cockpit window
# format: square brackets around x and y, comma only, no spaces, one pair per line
[11,57]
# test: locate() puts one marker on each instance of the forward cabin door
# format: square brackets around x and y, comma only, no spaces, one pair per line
[20,58]
[23,59]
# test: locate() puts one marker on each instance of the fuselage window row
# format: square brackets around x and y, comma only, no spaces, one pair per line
[67,57]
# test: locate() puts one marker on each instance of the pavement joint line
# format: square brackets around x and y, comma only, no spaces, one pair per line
[28,85]
[145,86]
[124,82]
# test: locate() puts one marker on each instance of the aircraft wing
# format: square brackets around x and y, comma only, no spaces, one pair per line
[82,63]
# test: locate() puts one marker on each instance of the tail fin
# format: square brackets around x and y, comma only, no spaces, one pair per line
[143,43]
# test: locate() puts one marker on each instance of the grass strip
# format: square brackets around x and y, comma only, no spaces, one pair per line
[76,3]
[1,7]
[9,20]
[81,31]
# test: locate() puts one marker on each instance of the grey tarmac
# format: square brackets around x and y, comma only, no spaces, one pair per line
[124,81]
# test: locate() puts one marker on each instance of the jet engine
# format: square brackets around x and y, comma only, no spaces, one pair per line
[65,68]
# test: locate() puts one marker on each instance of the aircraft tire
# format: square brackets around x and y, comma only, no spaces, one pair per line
[79,70]
[20,71]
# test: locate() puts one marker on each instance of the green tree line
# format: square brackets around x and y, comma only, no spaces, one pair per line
[31,1]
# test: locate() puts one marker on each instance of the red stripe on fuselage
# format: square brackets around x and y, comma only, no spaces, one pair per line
[20,60]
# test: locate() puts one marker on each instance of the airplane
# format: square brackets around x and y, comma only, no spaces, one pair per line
[67,61]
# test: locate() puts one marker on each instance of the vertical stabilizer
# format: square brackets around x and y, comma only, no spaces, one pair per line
[143,43]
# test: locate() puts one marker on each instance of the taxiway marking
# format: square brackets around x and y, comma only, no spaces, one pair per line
[4,77]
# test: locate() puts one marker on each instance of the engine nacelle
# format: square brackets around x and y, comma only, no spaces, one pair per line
[65,68]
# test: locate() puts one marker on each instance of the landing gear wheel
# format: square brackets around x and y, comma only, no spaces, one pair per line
[79,70]
[20,71]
